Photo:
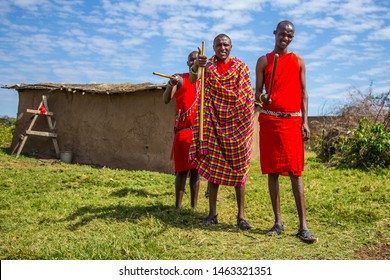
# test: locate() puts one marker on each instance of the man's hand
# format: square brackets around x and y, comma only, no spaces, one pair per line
[201,59]
[174,81]
[305,132]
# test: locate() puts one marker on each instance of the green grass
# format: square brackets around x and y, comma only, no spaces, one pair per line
[52,210]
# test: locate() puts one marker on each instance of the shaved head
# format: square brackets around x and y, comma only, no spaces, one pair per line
[284,23]
[222,36]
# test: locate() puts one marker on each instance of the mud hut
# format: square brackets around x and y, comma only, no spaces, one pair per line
[125,126]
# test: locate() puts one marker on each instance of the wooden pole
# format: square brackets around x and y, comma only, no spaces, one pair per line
[276,58]
[201,98]
[163,75]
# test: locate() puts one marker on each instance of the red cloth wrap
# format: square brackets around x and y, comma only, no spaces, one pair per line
[281,141]
[186,102]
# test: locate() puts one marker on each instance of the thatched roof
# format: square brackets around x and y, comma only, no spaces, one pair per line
[89,88]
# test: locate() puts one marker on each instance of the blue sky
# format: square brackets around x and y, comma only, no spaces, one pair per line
[345,43]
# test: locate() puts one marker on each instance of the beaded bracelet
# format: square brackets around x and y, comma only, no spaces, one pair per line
[193,72]
[261,101]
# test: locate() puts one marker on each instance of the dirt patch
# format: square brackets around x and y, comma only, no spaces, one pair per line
[18,164]
[381,252]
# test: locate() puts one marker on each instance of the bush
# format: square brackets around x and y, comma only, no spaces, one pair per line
[6,132]
[325,144]
[358,135]
[367,146]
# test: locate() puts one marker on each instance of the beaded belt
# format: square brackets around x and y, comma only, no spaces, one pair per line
[280,114]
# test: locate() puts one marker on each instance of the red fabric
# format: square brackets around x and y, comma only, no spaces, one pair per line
[42,109]
[281,142]
[223,67]
[181,147]
[281,145]
[286,92]
[186,105]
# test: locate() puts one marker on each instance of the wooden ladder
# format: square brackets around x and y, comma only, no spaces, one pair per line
[43,109]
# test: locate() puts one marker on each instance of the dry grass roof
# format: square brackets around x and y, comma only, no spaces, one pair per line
[89,88]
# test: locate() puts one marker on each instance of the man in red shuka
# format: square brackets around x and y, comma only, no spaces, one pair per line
[284,125]
[186,97]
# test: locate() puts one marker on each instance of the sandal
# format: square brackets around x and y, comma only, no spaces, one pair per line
[276,230]
[306,236]
[243,224]
[209,221]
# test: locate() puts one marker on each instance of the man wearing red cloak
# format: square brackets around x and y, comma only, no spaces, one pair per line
[283,123]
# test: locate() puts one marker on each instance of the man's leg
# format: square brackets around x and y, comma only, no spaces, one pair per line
[240,196]
[212,217]
[213,194]
[299,196]
[180,184]
[194,187]
[273,186]
[298,189]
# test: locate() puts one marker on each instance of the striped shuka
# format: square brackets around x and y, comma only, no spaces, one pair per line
[223,157]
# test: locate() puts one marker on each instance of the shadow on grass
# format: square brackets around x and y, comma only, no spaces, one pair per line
[169,215]
[6,151]
[136,192]
[184,218]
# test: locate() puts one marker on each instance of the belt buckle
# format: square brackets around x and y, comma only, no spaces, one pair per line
[284,115]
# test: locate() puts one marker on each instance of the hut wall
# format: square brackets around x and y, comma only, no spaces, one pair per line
[127,131]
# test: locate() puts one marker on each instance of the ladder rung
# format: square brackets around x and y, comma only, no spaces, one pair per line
[39,112]
[41,133]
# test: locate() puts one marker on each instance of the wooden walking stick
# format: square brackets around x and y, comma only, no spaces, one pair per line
[276,58]
[201,98]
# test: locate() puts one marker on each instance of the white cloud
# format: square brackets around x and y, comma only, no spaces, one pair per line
[341,40]
[382,34]
[309,8]
[29,4]
[331,91]
[379,71]
[303,40]
[357,8]
[5,8]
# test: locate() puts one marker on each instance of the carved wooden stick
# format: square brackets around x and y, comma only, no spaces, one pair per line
[276,58]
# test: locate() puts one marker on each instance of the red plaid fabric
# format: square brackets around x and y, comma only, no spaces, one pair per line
[223,157]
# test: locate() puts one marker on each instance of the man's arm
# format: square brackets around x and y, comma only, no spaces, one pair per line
[260,65]
[304,101]
[172,86]
[200,61]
